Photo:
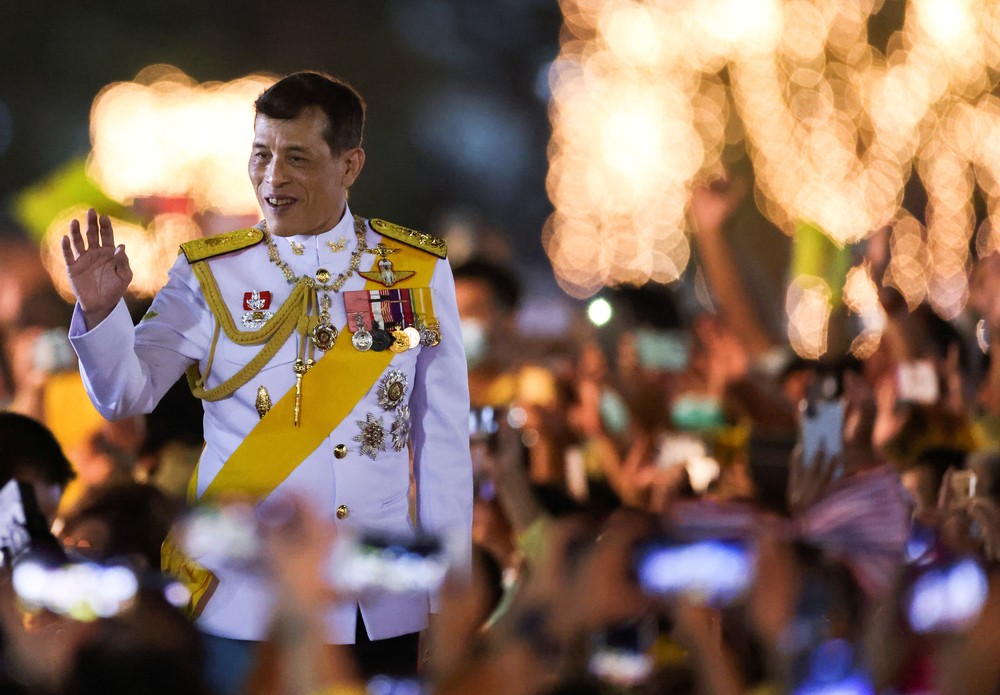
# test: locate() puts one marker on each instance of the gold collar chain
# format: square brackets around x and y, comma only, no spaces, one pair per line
[338,283]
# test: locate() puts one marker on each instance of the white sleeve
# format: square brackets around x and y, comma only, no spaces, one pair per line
[126,369]
[440,435]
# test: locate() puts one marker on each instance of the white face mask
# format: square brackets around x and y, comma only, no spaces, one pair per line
[474,340]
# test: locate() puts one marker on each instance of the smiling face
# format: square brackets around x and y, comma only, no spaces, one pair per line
[301,185]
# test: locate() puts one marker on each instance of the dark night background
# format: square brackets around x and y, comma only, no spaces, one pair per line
[457,121]
[456,89]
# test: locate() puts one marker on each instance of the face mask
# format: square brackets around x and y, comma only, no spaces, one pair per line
[474,341]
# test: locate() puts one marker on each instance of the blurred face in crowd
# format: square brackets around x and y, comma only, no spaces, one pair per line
[480,316]
[301,185]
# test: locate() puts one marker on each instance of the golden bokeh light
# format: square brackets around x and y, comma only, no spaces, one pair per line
[151,251]
[647,93]
[165,135]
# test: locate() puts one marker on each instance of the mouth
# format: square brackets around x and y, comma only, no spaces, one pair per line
[278,201]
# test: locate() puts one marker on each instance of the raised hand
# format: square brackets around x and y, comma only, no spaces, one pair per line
[98,271]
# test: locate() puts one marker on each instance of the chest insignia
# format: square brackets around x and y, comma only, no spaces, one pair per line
[256,305]
[386,274]
[371,437]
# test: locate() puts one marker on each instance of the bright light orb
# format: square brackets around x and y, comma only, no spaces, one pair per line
[600,312]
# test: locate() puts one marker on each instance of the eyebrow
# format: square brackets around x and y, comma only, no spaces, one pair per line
[289,148]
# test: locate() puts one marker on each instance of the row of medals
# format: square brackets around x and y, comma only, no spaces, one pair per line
[324,335]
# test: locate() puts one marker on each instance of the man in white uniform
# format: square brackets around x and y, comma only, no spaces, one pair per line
[320,372]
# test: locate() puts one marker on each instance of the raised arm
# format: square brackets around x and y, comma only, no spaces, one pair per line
[98,270]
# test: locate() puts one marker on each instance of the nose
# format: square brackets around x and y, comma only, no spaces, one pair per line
[276,173]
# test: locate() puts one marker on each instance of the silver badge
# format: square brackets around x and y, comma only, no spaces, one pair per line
[371,437]
[400,429]
[392,389]
[362,338]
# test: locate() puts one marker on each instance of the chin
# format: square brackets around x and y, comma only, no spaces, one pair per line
[278,226]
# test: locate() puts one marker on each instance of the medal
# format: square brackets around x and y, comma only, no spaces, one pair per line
[372,436]
[256,304]
[392,389]
[413,335]
[362,339]
[381,340]
[400,429]
[324,335]
[401,341]
[430,336]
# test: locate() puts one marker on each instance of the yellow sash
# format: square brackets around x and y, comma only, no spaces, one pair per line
[274,447]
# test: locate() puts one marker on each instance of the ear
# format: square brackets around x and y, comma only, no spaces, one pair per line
[354,161]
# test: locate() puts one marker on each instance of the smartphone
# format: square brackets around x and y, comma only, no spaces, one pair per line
[623,654]
[714,571]
[52,352]
[946,597]
[963,486]
[228,533]
[917,383]
[374,561]
[484,422]
[83,591]
[822,430]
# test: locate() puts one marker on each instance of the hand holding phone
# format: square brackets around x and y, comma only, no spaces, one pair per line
[714,572]
[372,561]
[946,597]
[822,431]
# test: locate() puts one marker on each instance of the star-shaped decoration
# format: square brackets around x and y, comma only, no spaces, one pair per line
[392,389]
[371,437]
[400,429]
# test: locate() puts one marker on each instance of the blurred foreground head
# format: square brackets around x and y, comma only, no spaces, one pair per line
[30,453]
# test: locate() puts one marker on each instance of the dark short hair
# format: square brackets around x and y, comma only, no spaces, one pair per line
[343,106]
[28,445]
[502,282]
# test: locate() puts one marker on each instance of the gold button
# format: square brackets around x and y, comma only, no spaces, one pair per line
[343,511]
[340,451]
[323,275]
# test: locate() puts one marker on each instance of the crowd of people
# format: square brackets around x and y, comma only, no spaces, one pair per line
[669,504]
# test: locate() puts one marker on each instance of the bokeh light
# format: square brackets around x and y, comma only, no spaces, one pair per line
[163,134]
[175,152]
[646,93]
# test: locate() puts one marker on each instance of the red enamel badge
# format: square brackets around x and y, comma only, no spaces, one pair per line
[256,300]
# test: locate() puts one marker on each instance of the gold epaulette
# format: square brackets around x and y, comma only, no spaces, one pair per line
[200,249]
[411,237]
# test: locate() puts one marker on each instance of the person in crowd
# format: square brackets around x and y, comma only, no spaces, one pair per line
[321,342]
[488,297]
[30,453]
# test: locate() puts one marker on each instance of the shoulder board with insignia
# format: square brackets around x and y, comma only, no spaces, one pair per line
[200,249]
[411,237]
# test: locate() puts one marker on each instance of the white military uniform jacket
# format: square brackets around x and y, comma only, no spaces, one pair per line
[127,370]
